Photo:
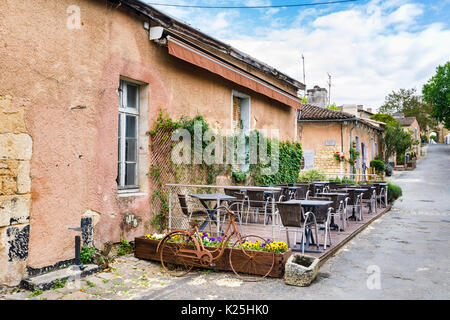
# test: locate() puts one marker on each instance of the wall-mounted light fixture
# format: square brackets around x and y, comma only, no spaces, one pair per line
[156,33]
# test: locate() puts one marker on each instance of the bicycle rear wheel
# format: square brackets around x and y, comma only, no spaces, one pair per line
[248,264]
[175,259]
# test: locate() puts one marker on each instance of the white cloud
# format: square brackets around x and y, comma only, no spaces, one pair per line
[369,50]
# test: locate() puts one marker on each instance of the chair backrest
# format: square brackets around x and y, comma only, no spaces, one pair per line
[321,212]
[332,184]
[183,204]
[256,198]
[230,192]
[367,194]
[301,192]
[284,193]
[291,214]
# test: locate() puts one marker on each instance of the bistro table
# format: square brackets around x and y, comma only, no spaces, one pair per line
[309,205]
[358,190]
[206,197]
[340,195]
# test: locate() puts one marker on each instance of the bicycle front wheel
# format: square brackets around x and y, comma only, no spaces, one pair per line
[177,253]
[248,263]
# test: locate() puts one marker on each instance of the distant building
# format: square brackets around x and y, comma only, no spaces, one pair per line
[323,132]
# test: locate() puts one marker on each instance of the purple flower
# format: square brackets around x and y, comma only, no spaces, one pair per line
[212,239]
[219,239]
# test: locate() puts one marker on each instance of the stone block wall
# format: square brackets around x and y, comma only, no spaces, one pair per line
[324,160]
[15,191]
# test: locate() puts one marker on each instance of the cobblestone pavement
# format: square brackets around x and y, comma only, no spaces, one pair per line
[402,255]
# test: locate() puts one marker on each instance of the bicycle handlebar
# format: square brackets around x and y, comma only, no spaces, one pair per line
[230,212]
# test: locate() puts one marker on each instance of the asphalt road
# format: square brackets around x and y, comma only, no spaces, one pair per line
[403,255]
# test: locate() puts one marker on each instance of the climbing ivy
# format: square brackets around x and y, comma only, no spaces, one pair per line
[287,159]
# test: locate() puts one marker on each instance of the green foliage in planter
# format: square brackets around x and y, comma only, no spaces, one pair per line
[378,165]
[394,192]
[310,175]
[434,138]
[87,254]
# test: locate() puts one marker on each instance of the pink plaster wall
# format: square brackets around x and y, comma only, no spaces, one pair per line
[74,163]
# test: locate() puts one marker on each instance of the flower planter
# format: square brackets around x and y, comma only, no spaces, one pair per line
[301,270]
[146,249]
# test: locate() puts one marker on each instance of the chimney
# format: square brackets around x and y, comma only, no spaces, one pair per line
[318,96]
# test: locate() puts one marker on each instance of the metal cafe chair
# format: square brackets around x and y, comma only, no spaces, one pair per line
[239,205]
[293,216]
[370,197]
[323,218]
[192,214]
[258,203]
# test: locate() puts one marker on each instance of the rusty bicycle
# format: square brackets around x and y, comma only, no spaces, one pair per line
[181,251]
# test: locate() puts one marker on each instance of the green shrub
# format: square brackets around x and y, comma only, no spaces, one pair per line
[378,165]
[310,175]
[87,254]
[394,192]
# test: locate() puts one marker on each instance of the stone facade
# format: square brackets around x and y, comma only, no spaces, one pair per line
[326,138]
[15,191]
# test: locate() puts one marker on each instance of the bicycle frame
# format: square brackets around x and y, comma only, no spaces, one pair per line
[199,251]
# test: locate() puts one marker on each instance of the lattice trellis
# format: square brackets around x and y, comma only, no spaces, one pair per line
[164,170]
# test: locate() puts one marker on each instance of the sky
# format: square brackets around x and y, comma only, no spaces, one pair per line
[369,47]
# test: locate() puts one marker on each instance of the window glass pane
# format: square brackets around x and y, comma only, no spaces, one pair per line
[132,96]
[130,150]
[131,127]
[120,124]
[130,174]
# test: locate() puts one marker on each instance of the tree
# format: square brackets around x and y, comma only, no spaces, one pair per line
[437,93]
[407,102]
[395,140]
[386,118]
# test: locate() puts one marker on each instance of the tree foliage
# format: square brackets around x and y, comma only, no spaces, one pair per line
[409,103]
[395,140]
[437,93]
[386,118]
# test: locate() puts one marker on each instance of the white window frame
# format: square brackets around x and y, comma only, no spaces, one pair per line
[125,110]
[248,105]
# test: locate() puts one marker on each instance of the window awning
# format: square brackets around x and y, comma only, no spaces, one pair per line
[187,53]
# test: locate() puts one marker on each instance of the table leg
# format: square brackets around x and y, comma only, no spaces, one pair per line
[212,218]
